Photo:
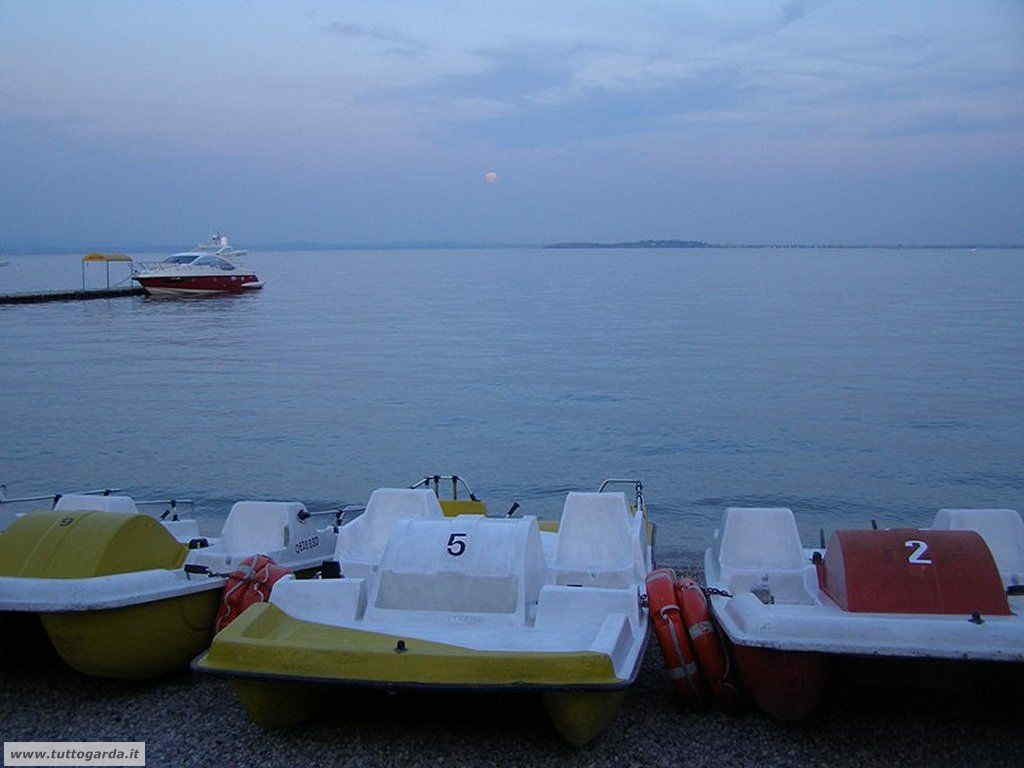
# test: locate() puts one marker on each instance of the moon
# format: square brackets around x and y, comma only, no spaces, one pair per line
[491,177]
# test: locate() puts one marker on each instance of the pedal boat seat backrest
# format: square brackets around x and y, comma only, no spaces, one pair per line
[471,564]
[258,527]
[361,542]
[86,502]
[757,543]
[1002,530]
[598,542]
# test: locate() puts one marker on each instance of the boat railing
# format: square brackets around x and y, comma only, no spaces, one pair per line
[338,512]
[638,488]
[53,498]
[156,266]
[151,266]
[172,507]
[433,482]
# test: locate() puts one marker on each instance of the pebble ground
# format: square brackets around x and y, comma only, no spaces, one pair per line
[195,720]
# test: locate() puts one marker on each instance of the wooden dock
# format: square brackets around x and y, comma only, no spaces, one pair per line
[75,295]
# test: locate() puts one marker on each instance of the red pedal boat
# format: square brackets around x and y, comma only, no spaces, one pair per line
[952,592]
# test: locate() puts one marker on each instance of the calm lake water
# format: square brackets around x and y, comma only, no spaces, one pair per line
[845,384]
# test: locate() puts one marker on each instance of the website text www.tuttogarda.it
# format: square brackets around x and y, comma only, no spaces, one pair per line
[58,753]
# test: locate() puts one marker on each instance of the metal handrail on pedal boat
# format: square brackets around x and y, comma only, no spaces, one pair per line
[54,497]
[339,512]
[436,480]
[173,506]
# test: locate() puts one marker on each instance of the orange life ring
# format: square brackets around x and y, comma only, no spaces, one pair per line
[251,583]
[708,646]
[675,643]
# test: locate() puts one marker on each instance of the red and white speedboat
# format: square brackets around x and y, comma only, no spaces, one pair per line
[211,267]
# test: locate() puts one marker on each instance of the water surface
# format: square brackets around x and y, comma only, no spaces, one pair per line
[845,384]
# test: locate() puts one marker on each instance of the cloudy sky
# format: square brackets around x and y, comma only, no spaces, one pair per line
[721,120]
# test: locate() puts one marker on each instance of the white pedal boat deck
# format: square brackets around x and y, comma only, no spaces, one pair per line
[457,602]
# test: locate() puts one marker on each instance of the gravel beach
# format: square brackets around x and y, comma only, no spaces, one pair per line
[193,720]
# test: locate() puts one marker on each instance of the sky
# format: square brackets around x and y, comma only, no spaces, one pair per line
[729,121]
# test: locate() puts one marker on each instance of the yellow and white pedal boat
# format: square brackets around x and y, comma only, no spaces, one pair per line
[466,601]
[124,594]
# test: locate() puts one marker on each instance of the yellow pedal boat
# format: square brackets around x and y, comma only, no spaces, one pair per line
[467,601]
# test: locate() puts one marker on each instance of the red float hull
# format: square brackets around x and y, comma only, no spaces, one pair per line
[788,685]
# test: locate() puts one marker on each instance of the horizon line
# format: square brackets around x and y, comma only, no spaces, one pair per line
[301,245]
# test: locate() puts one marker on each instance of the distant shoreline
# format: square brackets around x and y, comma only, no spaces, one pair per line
[844,246]
[637,244]
[28,250]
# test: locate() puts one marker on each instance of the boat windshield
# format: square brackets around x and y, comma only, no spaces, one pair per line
[180,258]
[213,261]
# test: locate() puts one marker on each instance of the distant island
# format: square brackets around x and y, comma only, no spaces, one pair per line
[637,244]
[819,246]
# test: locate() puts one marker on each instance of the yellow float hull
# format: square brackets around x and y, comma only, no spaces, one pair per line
[281,667]
[137,642]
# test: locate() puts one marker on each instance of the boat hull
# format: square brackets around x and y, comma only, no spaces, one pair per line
[264,641]
[580,691]
[137,642]
[192,286]
[279,703]
[791,685]
[786,685]
[577,716]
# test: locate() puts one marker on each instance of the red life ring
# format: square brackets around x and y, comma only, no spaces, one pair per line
[708,645]
[251,583]
[675,643]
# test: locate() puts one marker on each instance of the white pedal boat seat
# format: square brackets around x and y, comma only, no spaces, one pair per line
[278,529]
[597,545]
[1002,530]
[361,542]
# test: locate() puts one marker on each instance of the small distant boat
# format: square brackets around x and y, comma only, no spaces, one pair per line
[427,595]
[951,594]
[209,268]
